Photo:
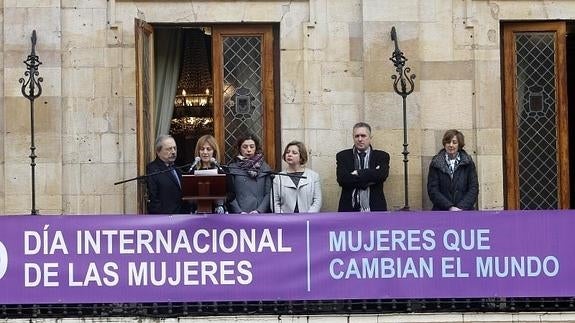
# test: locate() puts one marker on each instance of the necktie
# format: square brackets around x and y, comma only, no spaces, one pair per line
[176,176]
[362,160]
[357,203]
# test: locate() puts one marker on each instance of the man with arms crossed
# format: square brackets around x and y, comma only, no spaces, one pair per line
[361,172]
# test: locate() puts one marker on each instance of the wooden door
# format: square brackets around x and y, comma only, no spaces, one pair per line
[243,64]
[535,113]
[145,108]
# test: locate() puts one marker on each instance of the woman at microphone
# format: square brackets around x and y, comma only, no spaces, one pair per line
[207,154]
[207,158]
[297,189]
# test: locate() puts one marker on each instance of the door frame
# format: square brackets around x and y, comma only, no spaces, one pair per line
[145,107]
[269,111]
[145,92]
[510,132]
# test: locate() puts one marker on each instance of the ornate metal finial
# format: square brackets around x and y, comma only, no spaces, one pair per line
[402,79]
[403,85]
[31,90]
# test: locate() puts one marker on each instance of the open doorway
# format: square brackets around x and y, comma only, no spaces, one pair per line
[193,112]
[210,79]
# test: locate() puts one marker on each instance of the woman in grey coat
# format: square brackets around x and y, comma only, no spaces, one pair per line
[249,182]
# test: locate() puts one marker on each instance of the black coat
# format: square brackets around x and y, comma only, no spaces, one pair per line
[373,176]
[461,191]
[164,192]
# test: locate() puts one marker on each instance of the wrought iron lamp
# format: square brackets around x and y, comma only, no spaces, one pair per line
[31,90]
[403,85]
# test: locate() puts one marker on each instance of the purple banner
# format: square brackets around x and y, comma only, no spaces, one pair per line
[144,258]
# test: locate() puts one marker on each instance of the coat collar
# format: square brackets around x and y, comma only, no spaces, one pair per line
[286,181]
[438,160]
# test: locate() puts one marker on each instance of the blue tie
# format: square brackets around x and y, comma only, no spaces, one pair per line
[176,176]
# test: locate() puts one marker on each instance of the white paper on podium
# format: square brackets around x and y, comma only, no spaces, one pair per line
[206,172]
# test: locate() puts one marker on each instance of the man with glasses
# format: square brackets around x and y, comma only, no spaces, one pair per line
[165,180]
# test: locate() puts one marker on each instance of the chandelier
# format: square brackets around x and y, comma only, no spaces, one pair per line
[195,81]
[194,100]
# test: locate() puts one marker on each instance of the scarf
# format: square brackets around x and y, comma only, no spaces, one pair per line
[360,197]
[251,165]
[452,163]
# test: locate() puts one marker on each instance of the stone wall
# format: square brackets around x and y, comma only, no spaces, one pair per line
[18,20]
[334,71]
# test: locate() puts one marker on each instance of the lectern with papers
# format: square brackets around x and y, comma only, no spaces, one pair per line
[204,190]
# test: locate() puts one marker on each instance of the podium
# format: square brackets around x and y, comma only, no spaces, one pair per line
[204,190]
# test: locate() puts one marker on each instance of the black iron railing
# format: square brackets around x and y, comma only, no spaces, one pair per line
[325,307]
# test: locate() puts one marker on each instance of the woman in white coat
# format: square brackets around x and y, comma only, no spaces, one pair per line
[297,189]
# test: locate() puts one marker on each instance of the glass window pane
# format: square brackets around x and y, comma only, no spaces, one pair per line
[243,107]
[536,117]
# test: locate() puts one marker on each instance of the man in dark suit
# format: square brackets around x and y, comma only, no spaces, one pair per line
[361,172]
[164,182]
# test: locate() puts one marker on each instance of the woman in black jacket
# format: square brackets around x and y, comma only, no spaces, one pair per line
[452,180]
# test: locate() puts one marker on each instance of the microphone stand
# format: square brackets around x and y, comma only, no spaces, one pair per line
[153,174]
[272,174]
[279,196]
[269,173]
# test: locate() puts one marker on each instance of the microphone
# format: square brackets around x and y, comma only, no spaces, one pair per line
[215,162]
[196,161]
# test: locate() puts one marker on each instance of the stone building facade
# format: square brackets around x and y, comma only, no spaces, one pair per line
[334,71]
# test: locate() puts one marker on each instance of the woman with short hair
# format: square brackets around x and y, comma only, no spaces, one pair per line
[249,182]
[298,188]
[452,183]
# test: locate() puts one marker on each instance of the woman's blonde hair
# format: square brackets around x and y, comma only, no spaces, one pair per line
[210,140]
